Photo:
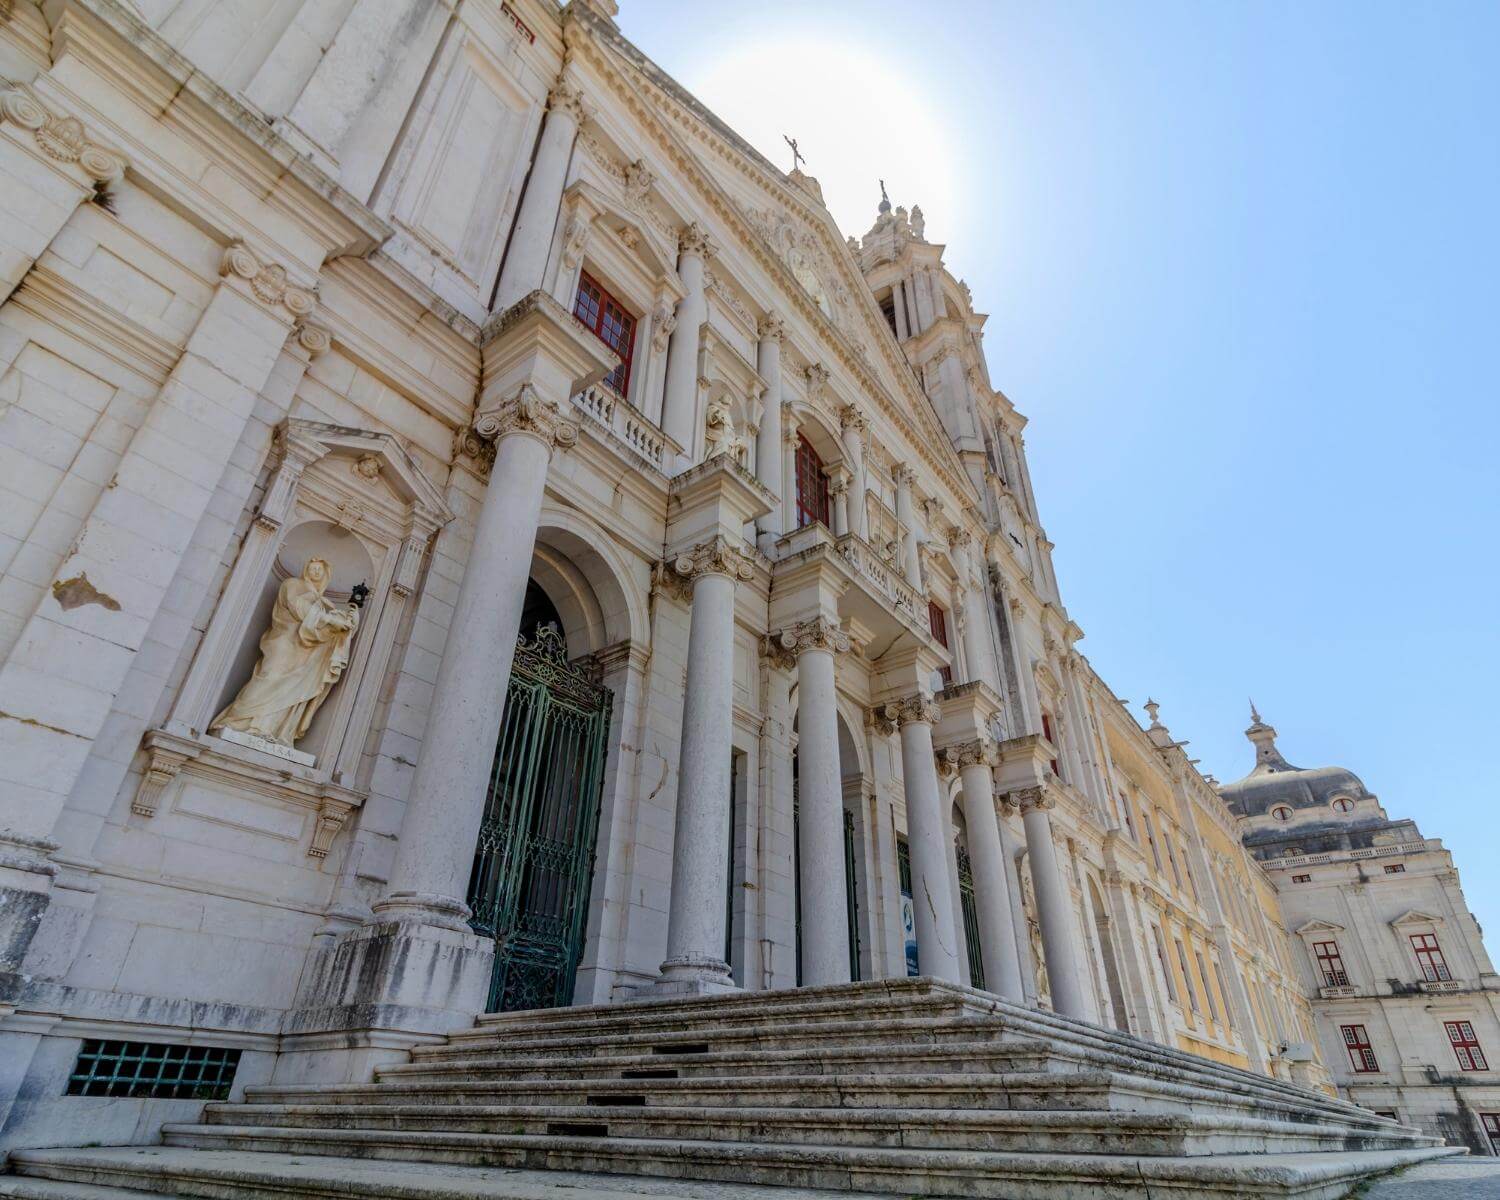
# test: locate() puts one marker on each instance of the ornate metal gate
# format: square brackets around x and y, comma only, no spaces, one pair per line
[971,914]
[535,857]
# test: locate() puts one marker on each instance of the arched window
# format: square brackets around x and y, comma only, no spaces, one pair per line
[1281,813]
[1343,804]
[812,485]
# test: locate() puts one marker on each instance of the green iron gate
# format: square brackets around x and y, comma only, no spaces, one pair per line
[534,860]
[971,915]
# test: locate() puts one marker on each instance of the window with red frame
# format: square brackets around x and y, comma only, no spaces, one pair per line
[1361,1056]
[1395,868]
[937,621]
[1330,964]
[1430,958]
[606,318]
[1491,1123]
[812,485]
[1047,733]
[1466,1046]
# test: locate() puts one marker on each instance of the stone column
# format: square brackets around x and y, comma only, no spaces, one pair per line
[531,237]
[820,844]
[911,558]
[788,469]
[1010,850]
[1052,905]
[441,826]
[50,166]
[695,925]
[838,491]
[927,836]
[976,762]
[855,427]
[768,457]
[679,410]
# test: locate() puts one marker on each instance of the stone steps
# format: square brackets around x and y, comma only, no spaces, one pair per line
[903,1087]
[1080,1089]
[164,1173]
[1000,1176]
[1054,1132]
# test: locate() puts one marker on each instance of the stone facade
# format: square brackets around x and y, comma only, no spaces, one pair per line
[1406,1001]
[474,302]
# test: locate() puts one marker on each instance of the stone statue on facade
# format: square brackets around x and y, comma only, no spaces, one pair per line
[718,431]
[302,655]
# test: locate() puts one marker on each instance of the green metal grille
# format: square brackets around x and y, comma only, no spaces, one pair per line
[971,915]
[153,1070]
[851,893]
[534,860]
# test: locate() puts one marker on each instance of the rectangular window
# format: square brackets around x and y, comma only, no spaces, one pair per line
[1224,991]
[153,1070]
[937,622]
[1361,1056]
[1330,964]
[1301,878]
[1161,960]
[1395,868]
[1125,812]
[1491,1123]
[1466,1046]
[1388,1113]
[1187,979]
[812,486]
[1047,733]
[605,317]
[1208,992]
[888,311]
[1151,840]
[1430,958]
[1171,856]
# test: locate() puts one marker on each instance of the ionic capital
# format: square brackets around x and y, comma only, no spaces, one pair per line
[313,338]
[62,139]
[717,556]
[818,634]
[529,413]
[266,281]
[694,239]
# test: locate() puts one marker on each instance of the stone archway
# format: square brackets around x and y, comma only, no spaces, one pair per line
[1114,992]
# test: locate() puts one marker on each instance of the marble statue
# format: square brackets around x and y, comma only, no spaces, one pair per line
[718,430]
[302,655]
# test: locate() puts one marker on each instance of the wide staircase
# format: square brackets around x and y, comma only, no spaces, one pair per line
[904,1087]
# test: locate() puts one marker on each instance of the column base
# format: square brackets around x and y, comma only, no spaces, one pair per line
[692,975]
[424,908]
[26,878]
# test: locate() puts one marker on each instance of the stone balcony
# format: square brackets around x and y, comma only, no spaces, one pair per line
[624,426]
[881,607]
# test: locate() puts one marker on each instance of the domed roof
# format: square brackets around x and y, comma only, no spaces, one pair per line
[1276,781]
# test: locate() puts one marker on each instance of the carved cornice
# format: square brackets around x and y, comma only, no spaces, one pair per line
[267,281]
[772,328]
[694,239]
[62,139]
[818,634]
[717,556]
[527,412]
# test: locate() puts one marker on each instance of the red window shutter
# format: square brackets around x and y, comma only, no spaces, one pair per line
[812,485]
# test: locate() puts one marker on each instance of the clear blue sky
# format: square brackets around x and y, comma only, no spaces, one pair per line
[1241,264]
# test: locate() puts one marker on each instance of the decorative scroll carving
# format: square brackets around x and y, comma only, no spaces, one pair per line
[894,714]
[818,634]
[850,418]
[694,239]
[638,183]
[566,99]
[63,139]
[771,328]
[817,376]
[717,556]
[332,814]
[527,412]
[268,281]
[1038,798]
[313,338]
[777,655]
[161,769]
[663,322]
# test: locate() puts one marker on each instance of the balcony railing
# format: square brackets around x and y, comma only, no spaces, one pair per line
[881,575]
[628,424]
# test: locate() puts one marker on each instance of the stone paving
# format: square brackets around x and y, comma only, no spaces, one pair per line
[1447,1179]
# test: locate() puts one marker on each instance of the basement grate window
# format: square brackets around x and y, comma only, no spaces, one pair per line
[153,1070]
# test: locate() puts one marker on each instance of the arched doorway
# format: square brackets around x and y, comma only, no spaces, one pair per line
[850,777]
[967,906]
[533,863]
[1115,993]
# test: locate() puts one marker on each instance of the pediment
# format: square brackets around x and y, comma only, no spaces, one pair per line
[1415,916]
[1317,926]
[646,239]
[374,457]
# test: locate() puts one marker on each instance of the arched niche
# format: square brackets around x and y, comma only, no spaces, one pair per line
[356,499]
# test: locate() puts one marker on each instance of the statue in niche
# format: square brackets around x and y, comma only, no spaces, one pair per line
[718,431]
[302,655]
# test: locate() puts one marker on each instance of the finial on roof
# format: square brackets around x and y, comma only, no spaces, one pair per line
[1254,716]
[1152,708]
[885,201]
[797,158]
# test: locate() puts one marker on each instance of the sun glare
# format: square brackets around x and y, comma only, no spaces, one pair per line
[858,118]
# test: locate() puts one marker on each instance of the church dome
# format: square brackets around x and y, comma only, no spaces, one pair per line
[1275,781]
